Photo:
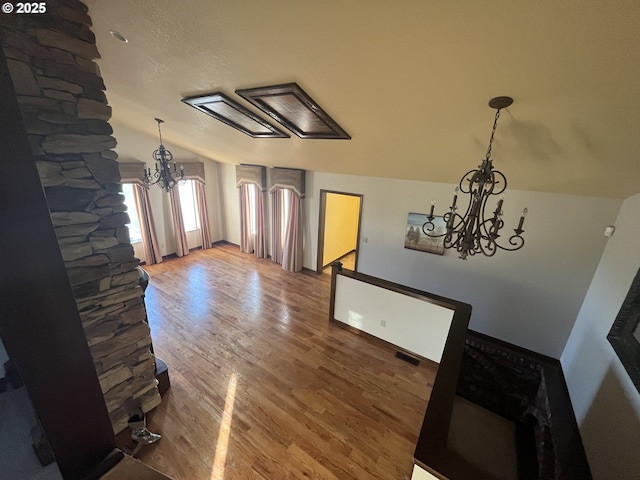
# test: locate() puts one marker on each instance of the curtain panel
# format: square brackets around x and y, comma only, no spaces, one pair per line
[260,242]
[182,247]
[253,236]
[277,207]
[150,242]
[251,181]
[292,243]
[287,188]
[203,215]
[246,225]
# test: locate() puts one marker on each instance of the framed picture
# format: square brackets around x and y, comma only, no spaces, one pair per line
[289,105]
[624,335]
[228,111]
[416,239]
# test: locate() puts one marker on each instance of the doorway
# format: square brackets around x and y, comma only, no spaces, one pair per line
[339,227]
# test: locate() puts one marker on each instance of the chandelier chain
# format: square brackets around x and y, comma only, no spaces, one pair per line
[159,120]
[493,132]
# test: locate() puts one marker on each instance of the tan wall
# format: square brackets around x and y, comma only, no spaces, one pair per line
[514,294]
[341,226]
[604,398]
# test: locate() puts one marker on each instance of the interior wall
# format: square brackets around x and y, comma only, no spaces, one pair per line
[530,297]
[415,324]
[341,226]
[605,401]
[138,251]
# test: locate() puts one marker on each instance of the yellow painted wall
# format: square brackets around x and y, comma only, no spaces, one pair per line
[341,226]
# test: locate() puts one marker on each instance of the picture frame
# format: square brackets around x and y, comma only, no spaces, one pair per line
[624,335]
[230,112]
[416,239]
[289,105]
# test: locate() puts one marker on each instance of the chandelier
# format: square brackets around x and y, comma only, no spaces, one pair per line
[477,231]
[165,176]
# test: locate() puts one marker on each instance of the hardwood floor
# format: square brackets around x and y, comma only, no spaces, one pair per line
[264,387]
[348,262]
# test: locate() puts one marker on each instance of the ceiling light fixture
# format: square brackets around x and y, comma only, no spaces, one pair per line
[118,36]
[475,231]
[164,176]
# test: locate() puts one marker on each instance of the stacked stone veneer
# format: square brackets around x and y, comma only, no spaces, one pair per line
[64,108]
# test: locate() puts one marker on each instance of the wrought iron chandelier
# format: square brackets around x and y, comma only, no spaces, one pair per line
[165,176]
[477,231]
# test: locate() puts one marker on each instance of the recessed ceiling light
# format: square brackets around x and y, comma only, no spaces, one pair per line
[118,36]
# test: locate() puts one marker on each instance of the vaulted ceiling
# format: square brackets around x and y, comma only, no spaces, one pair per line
[408,80]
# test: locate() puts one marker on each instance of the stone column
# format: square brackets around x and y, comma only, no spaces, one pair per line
[65,111]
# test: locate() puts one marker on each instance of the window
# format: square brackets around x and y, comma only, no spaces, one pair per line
[287,196]
[134,219]
[189,205]
[253,208]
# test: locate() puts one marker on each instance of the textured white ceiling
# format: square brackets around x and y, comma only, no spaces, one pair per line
[408,80]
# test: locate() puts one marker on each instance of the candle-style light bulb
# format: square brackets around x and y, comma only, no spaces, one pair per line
[433,204]
[521,222]
[450,221]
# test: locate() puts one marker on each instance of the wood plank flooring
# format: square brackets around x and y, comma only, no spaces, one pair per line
[264,387]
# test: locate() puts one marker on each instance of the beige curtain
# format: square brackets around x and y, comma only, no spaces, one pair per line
[287,188]
[277,205]
[260,242]
[203,215]
[292,244]
[246,224]
[182,248]
[253,234]
[147,225]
